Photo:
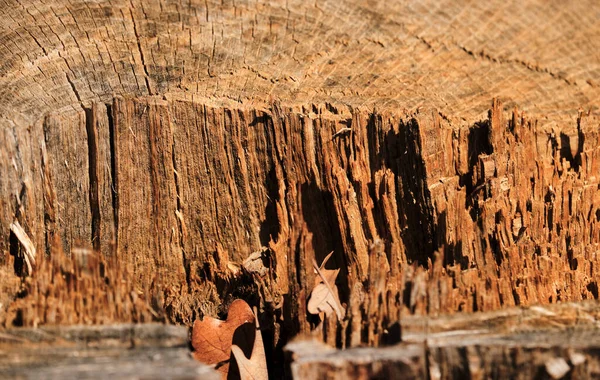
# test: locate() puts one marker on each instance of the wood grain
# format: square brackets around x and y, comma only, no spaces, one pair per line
[498,214]
[454,56]
[447,153]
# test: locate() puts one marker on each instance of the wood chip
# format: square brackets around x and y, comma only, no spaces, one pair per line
[27,244]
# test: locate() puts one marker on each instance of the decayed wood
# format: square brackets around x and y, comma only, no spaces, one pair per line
[413,183]
[149,351]
[85,288]
[180,139]
[550,341]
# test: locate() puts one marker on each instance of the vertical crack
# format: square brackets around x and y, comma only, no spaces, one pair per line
[114,185]
[73,87]
[49,195]
[92,138]
[14,250]
[185,260]
[154,158]
[139,45]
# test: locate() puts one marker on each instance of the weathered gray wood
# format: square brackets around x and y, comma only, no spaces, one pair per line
[149,351]
[537,342]
[314,360]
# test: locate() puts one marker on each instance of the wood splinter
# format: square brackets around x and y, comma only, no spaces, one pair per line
[341,132]
[27,244]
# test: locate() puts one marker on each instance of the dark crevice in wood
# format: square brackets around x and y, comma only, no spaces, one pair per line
[592,287]
[479,143]
[92,139]
[565,151]
[415,202]
[581,141]
[114,184]
[453,252]
[319,212]
[376,161]
[49,204]
[73,86]
[270,227]
[496,249]
[14,249]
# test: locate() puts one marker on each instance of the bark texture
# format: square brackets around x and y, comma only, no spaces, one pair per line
[181,137]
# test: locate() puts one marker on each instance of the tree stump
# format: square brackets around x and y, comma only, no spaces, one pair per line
[446,153]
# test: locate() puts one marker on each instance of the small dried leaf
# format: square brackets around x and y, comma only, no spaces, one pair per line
[255,367]
[212,338]
[321,301]
[329,274]
[324,297]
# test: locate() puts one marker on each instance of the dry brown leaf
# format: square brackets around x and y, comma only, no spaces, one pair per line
[324,297]
[330,274]
[212,338]
[255,367]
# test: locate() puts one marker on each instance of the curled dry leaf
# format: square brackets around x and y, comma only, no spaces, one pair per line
[324,297]
[212,338]
[255,367]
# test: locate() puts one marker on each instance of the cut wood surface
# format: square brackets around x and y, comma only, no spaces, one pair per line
[453,56]
[446,152]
